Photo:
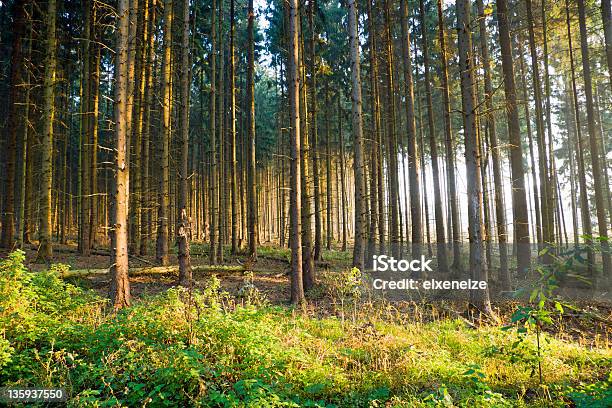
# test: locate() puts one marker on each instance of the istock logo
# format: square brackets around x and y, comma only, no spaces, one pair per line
[383,263]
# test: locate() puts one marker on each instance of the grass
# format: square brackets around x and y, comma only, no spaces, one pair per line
[211,349]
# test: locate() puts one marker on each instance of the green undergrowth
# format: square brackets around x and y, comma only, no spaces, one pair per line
[202,349]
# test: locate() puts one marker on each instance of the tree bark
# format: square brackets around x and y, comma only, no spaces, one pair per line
[448,143]
[252,170]
[433,150]
[163,217]
[500,212]
[480,298]
[413,159]
[600,204]
[183,227]
[519,198]
[358,247]
[45,250]
[293,81]
[120,284]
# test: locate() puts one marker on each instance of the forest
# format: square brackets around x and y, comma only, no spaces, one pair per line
[195,197]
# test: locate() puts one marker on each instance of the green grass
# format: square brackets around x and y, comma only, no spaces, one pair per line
[204,350]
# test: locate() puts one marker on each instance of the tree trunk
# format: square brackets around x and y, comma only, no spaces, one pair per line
[480,298]
[598,182]
[17,69]
[214,192]
[233,164]
[252,175]
[164,187]
[120,284]
[500,212]
[183,227]
[45,250]
[519,198]
[584,200]
[314,134]
[376,220]
[545,196]
[293,81]
[448,143]
[433,150]
[392,145]
[358,248]
[413,156]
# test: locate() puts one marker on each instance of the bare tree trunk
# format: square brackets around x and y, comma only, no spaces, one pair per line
[433,149]
[519,197]
[17,68]
[45,250]
[214,191]
[26,143]
[584,200]
[164,188]
[500,214]
[252,175]
[448,142]
[314,134]
[545,196]
[293,80]
[480,298]
[598,182]
[183,227]
[120,283]
[413,156]
[358,248]
[376,221]
[233,164]
[392,145]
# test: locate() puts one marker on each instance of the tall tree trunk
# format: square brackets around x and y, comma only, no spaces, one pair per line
[164,187]
[413,156]
[392,145]
[358,248]
[480,298]
[26,146]
[584,200]
[17,68]
[376,220]
[293,81]
[120,283]
[534,177]
[314,134]
[545,196]
[433,150]
[214,191]
[519,197]
[598,182]
[308,268]
[500,212]
[233,164]
[85,144]
[252,175]
[137,129]
[183,227]
[448,143]
[328,173]
[342,191]
[145,188]
[45,250]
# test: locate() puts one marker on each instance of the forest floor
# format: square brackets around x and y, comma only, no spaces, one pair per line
[238,342]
